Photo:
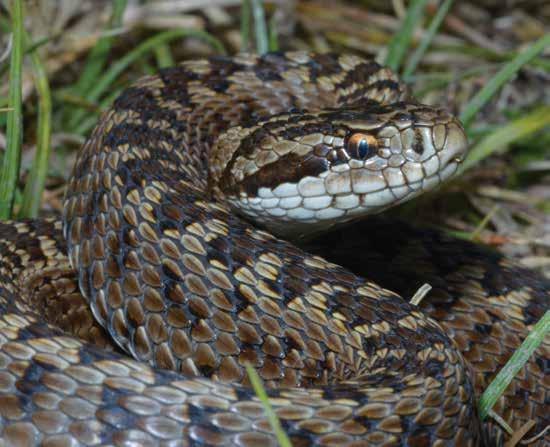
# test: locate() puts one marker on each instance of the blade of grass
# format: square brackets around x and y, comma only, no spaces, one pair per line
[536,437]
[260,27]
[518,435]
[401,40]
[97,57]
[436,22]
[29,48]
[513,365]
[95,63]
[499,140]
[37,178]
[164,56]
[256,382]
[504,75]
[501,421]
[488,56]
[273,36]
[89,122]
[65,97]
[105,81]
[9,170]
[246,15]
[481,226]
[443,79]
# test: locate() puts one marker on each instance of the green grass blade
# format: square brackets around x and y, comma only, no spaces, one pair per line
[256,382]
[163,56]
[401,41]
[499,139]
[37,178]
[88,123]
[427,39]
[273,35]
[504,75]
[514,364]
[105,81]
[95,63]
[485,55]
[246,15]
[260,27]
[97,57]
[9,170]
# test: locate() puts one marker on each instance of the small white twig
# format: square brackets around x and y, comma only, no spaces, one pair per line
[7,51]
[420,294]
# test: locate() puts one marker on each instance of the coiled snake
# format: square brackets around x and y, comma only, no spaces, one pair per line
[156,226]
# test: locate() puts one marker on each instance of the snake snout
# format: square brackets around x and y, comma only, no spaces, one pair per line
[456,144]
[453,151]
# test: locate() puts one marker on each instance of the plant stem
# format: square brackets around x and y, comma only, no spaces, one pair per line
[9,170]
[37,178]
[502,77]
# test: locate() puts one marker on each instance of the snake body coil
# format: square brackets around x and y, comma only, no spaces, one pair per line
[152,225]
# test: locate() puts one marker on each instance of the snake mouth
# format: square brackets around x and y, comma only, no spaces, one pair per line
[312,212]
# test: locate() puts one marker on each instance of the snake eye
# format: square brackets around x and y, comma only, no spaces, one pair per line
[362,146]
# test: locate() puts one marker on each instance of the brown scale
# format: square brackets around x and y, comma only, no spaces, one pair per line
[180,282]
[487,303]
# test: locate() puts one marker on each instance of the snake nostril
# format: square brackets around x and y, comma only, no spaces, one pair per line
[457,143]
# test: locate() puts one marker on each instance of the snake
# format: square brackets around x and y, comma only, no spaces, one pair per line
[191,245]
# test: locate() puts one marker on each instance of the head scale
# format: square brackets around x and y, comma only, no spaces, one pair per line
[317,170]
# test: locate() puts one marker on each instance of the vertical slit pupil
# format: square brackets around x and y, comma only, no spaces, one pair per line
[364,149]
[361,146]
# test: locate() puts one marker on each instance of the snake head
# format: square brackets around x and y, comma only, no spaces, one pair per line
[320,169]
